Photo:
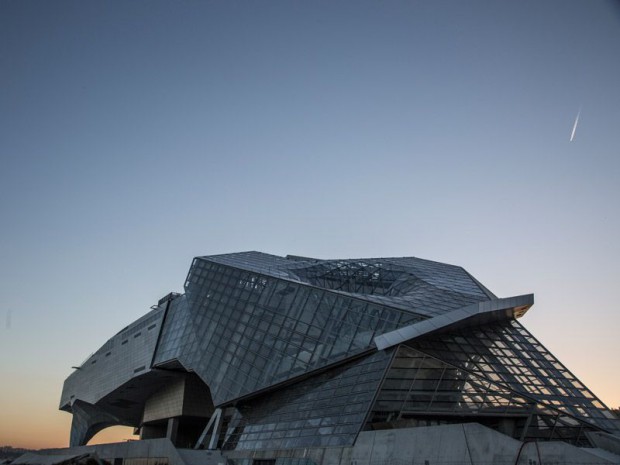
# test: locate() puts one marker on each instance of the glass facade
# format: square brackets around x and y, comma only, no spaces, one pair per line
[509,355]
[498,375]
[323,411]
[286,348]
[253,331]
[178,335]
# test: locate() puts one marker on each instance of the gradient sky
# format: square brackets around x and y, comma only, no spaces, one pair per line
[137,135]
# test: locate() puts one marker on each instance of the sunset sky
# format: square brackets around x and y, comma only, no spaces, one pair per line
[135,135]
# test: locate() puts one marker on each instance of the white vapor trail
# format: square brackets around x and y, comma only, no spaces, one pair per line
[572,134]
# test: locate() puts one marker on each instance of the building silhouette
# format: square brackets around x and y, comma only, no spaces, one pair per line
[263,357]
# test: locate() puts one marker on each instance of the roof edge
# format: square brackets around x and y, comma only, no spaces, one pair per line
[488,311]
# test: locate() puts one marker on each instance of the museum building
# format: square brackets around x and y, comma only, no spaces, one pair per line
[292,360]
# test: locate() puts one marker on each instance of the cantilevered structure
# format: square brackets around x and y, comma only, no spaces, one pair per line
[266,356]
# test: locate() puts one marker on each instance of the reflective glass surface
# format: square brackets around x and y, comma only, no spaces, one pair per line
[286,346]
[507,354]
[325,410]
[251,331]
[178,335]
[420,390]
[412,284]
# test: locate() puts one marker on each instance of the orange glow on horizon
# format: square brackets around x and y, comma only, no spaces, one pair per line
[113,434]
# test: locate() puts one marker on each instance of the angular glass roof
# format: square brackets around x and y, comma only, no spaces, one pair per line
[422,286]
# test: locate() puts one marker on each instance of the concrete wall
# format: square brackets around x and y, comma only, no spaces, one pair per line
[165,403]
[606,441]
[145,449]
[186,395]
[470,444]
[318,455]
[465,444]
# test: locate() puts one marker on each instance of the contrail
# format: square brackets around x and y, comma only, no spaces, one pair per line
[572,134]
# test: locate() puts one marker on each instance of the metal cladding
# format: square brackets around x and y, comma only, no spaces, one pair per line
[295,352]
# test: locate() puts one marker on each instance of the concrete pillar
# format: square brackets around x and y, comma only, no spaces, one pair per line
[173,429]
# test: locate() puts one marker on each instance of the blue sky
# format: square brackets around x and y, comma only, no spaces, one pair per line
[137,135]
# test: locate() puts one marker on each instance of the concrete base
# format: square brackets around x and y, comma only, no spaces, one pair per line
[464,444]
[145,449]
[469,443]
[606,441]
[306,456]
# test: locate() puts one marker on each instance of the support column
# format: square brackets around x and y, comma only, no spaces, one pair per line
[173,429]
[214,427]
[87,421]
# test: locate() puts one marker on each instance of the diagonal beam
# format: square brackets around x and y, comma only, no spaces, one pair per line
[488,311]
